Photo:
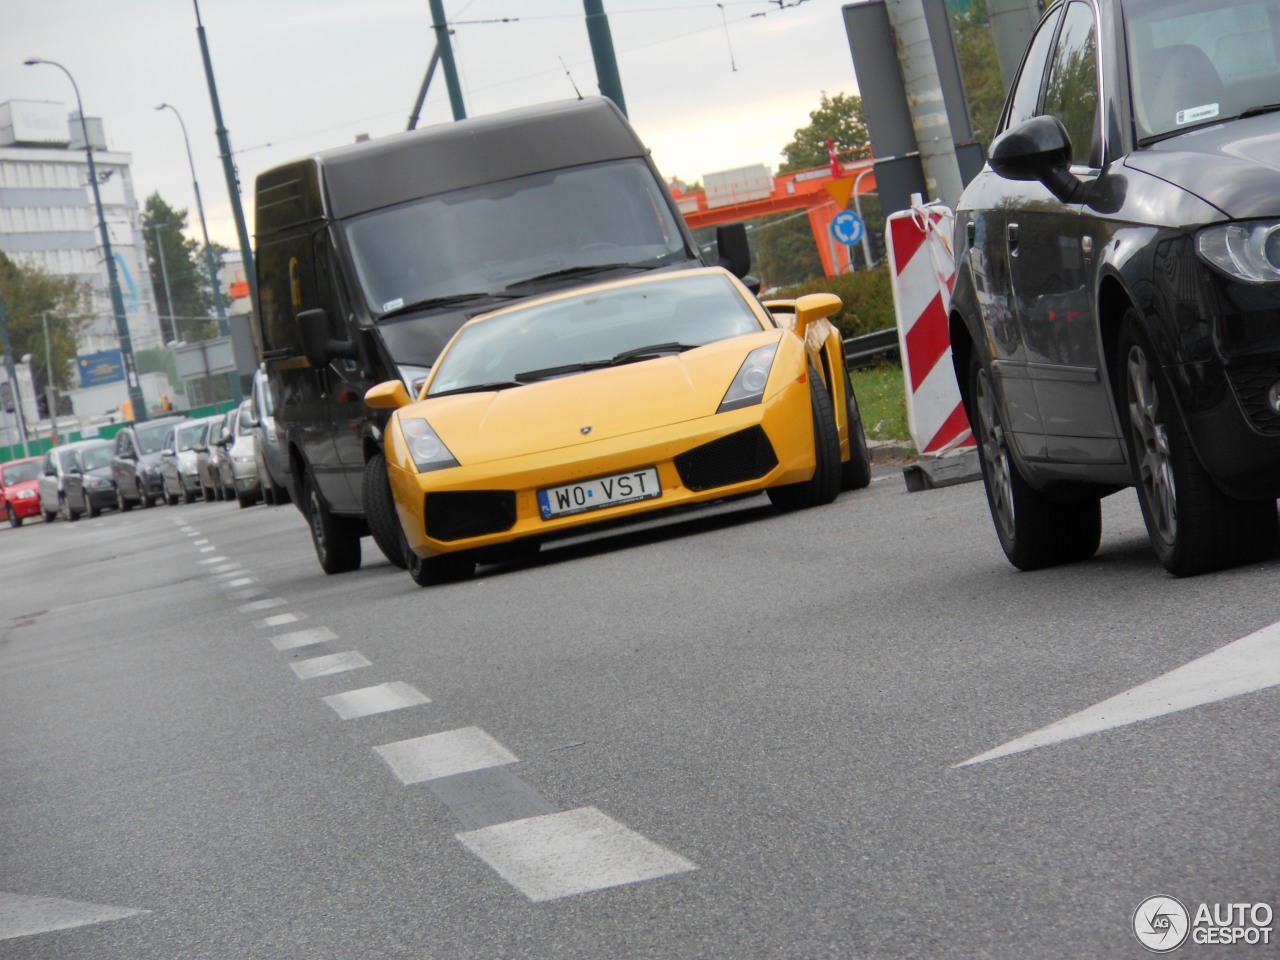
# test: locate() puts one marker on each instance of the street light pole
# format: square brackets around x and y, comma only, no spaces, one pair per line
[50,391]
[113,280]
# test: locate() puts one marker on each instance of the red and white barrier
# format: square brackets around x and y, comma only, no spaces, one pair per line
[922,270]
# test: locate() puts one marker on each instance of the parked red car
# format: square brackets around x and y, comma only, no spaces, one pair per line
[18,489]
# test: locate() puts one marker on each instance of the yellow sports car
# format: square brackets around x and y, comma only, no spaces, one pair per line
[615,400]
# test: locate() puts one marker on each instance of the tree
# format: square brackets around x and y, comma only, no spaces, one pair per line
[28,294]
[788,254]
[183,265]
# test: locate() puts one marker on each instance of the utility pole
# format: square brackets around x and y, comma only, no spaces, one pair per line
[602,49]
[164,274]
[50,391]
[445,49]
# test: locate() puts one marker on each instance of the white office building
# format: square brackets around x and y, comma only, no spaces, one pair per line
[48,219]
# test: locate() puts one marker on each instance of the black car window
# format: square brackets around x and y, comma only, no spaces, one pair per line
[1071,94]
[1024,102]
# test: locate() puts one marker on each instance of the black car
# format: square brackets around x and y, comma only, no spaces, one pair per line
[1116,314]
[90,489]
[135,466]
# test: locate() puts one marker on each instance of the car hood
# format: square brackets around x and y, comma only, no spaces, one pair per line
[589,407]
[1234,166]
[101,473]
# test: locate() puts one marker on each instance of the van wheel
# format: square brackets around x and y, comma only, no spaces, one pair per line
[825,484]
[1193,526]
[336,539]
[380,511]
[1034,531]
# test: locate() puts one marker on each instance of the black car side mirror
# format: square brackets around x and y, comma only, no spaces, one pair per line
[1037,149]
[317,346]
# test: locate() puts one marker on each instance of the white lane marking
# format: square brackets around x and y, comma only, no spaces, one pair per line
[260,605]
[208,549]
[215,560]
[242,581]
[326,666]
[247,594]
[226,568]
[380,699]
[564,854]
[190,532]
[444,754]
[199,543]
[24,916]
[303,638]
[1244,666]
[280,619]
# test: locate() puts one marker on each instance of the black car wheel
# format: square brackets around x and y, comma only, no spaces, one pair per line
[123,503]
[380,511]
[91,509]
[14,519]
[336,539]
[65,511]
[1193,526]
[825,483]
[855,473]
[445,568]
[1035,531]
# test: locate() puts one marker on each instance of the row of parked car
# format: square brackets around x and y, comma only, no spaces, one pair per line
[230,456]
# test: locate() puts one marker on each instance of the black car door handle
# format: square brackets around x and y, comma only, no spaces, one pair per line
[1011,234]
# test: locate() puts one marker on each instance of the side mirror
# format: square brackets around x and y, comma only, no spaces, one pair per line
[250,419]
[167,453]
[391,395]
[1037,149]
[317,346]
[734,251]
[813,307]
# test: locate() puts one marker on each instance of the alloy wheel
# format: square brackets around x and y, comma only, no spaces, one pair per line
[995,451]
[1151,442]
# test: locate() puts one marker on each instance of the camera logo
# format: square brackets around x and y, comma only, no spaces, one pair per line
[1161,924]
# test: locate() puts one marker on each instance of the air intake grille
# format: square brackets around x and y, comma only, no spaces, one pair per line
[1251,382]
[469,513]
[746,455]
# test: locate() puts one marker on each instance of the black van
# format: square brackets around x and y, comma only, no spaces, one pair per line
[370,256]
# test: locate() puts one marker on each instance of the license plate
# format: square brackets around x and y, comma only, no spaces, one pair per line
[599,493]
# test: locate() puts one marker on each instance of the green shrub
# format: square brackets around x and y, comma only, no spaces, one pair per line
[867,297]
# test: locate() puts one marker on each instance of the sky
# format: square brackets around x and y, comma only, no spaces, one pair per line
[708,86]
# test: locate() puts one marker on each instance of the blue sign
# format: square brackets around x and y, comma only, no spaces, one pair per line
[105,366]
[847,227]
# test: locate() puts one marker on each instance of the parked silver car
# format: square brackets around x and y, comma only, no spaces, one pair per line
[91,489]
[179,477]
[207,461]
[238,468]
[273,466]
[59,464]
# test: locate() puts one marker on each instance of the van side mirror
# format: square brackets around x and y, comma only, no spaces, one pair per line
[391,395]
[317,346]
[813,307]
[735,252]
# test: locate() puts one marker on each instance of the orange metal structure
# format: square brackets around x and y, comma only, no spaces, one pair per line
[814,190]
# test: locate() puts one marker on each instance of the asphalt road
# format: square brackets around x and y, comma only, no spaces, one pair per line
[730,734]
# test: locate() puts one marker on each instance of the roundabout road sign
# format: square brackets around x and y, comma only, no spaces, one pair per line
[847,227]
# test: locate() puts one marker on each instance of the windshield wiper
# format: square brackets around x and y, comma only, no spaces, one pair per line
[634,355]
[477,388]
[1259,110]
[447,301]
[584,270]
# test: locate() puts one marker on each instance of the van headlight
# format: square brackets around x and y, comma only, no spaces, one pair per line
[1243,251]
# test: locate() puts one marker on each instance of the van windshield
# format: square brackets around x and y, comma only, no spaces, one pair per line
[484,239]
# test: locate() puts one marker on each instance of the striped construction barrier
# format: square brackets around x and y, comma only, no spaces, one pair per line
[922,271]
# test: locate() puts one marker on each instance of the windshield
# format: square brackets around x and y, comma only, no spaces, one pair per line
[484,239]
[594,328]
[191,435]
[151,439]
[20,472]
[96,457]
[1201,61]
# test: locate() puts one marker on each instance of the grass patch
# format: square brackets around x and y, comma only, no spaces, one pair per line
[882,400]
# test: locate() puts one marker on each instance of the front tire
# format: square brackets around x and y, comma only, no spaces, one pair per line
[123,503]
[825,483]
[444,568]
[1035,531]
[380,512]
[336,539]
[855,473]
[1193,526]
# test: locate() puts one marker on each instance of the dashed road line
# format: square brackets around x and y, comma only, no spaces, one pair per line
[268,604]
[303,638]
[329,665]
[280,619]
[382,698]
[444,754]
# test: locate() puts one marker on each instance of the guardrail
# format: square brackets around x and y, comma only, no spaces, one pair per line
[867,349]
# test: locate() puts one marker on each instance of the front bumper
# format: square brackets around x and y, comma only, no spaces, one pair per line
[686,456]
[24,507]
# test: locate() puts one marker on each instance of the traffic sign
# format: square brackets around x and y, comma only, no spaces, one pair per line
[847,227]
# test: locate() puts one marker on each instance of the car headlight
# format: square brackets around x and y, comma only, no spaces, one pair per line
[414,377]
[425,446]
[1243,251]
[99,484]
[748,386]
[26,495]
